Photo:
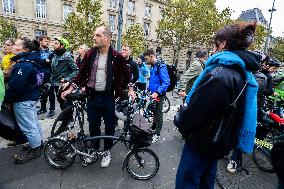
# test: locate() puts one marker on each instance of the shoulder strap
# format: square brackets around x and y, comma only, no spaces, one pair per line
[202,65]
[235,102]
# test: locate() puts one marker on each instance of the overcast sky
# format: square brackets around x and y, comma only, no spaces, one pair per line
[242,5]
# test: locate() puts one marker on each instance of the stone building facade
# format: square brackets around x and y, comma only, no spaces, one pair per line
[33,18]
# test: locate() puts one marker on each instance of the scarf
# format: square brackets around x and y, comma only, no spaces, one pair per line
[249,122]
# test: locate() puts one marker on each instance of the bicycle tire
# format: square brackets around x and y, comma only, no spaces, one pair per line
[166,105]
[132,163]
[261,163]
[61,150]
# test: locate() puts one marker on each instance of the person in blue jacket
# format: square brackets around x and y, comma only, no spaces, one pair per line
[158,85]
[143,74]
[23,92]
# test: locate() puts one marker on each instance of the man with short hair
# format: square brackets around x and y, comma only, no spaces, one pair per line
[195,68]
[46,56]
[126,53]
[158,84]
[104,74]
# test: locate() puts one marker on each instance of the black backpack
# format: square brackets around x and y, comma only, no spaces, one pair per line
[214,140]
[172,71]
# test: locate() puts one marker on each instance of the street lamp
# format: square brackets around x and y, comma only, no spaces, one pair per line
[269,27]
[119,24]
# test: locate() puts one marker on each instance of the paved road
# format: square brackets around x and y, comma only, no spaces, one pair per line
[38,174]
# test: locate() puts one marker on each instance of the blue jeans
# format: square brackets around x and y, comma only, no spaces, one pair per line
[99,107]
[195,171]
[26,116]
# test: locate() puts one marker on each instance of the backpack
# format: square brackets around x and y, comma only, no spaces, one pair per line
[213,140]
[172,71]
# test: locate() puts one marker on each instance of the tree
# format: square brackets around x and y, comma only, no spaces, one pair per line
[187,23]
[134,37]
[259,38]
[7,30]
[277,50]
[82,24]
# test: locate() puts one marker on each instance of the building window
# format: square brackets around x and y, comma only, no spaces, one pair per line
[147,11]
[162,13]
[8,6]
[67,9]
[131,6]
[39,33]
[112,4]
[146,29]
[112,23]
[129,22]
[40,9]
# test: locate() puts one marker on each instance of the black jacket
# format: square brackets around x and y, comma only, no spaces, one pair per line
[208,103]
[134,69]
[269,86]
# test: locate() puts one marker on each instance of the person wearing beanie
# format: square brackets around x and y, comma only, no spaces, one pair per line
[195,68]
[63,68]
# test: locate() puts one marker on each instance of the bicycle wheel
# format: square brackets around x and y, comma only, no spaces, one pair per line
[142,164]
[166,105]
[59,153]
[261,157]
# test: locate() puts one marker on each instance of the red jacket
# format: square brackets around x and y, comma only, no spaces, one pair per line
[120,75]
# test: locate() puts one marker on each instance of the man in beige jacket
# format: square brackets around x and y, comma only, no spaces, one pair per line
[195,68]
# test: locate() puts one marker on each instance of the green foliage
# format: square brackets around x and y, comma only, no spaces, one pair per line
[82,24]
[277,50]
[7,30]
[259,38]
[193,22]
[134,37]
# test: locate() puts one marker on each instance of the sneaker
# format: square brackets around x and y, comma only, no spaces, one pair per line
[27,147]
[51,113]
[30,155]
[232,166]
[41,111]
[155,138]
[106,159]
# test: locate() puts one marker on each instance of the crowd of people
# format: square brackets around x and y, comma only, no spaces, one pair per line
[32,71]
[221,92]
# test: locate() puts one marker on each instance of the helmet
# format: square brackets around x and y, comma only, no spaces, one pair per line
[63,41]
[120,111]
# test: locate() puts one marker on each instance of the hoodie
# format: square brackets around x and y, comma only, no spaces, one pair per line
[22,85]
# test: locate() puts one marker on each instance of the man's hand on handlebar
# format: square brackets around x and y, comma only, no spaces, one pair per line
[67,92]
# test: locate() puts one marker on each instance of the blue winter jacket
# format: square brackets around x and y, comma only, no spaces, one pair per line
[159,78]
[143,72]
[22,85]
